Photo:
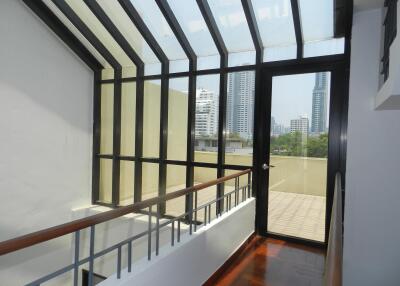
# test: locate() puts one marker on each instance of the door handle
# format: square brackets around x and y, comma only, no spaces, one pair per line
[266,167]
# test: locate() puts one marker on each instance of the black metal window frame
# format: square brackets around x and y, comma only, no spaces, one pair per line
[223,71]
[390,33]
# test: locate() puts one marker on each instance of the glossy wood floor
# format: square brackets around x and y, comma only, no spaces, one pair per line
[274,262]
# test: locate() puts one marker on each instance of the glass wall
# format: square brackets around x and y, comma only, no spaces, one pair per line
[176,180]
[240,118]
[128,118]
[203,175]
[178,100]
[206,119]
[127,182]
[150,180]
[170,127]
[151,118]
[107,123]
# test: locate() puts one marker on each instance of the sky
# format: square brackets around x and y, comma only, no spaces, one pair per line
[291,94]
[292,97]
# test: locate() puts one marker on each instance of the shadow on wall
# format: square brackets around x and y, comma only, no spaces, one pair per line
[38,66]
[45,122]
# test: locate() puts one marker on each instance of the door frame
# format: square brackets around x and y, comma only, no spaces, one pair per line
[337,135]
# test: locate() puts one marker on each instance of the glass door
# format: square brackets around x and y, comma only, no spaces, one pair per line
[296,167]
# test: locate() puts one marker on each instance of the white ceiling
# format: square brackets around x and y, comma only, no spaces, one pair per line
[367,4]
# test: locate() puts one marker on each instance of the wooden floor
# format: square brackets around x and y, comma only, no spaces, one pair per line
[274,262]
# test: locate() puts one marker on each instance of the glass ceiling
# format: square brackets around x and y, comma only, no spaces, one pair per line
[195,28]
[101,33]
[159,27]
[231,22]
[274,20]
[76,33]
[316,19]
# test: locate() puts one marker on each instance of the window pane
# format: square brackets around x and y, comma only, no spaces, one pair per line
[275,22]
[203,175]
[324,48]
[107,73]
[242,59]
[149,180]
[101,33]
[177,118]
[105,192]
[206,128]
[280,53]
[298,154]
[127,182]
[230,185]
[128,72]
[316,19]
[151,118]
[239,118]
[128,118]
[178,66]
[208,62]
[232,24]
[124,24]
[176,180]
[159,27]
[76,33]
[107,120]
[194,26]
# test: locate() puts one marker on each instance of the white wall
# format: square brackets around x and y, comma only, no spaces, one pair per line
[197,257]
[45,125]
[372,208]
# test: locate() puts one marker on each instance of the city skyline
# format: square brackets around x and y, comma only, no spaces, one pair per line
[311,103]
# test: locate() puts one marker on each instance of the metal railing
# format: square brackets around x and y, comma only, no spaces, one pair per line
[231,199]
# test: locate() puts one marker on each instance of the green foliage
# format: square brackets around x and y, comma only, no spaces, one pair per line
[298,144]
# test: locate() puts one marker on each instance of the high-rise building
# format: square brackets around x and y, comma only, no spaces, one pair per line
[206,113]
[240,104]
[319,103]
[277,129]
[300,125]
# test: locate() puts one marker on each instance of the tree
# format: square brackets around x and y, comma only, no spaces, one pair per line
[298,144]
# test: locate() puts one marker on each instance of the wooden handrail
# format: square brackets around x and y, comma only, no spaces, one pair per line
[33,238]
[334,257]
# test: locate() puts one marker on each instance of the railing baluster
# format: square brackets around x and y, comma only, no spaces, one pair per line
[91,256]
[119,262]
[237,192]
[149,235]
[195,214]
[249,183]
[179,230]
[130,256]
[190,224]
[209,213]
[173,233]
[158,230]
[205,215]
[76,259]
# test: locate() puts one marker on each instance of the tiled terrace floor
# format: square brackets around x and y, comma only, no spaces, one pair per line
[297,215]
[290,214]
